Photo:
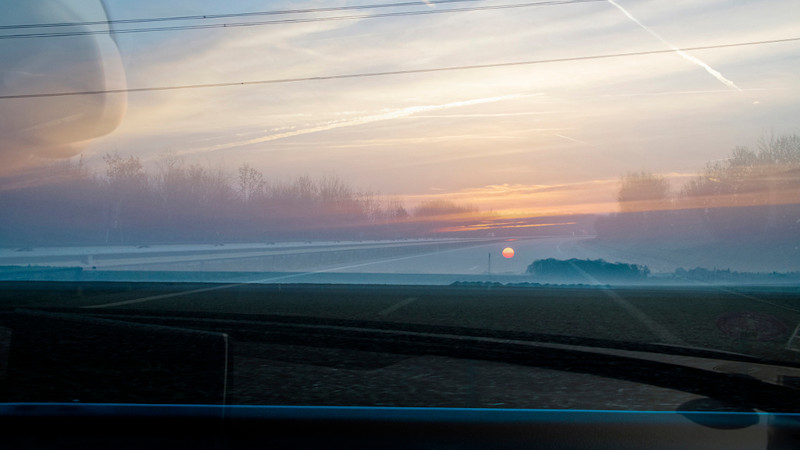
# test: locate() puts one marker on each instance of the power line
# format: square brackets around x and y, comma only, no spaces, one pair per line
[232,15]
[399,72]
[293,21]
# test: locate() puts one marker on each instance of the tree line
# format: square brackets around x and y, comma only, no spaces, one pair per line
[589,270]
[752,194]
[68,203]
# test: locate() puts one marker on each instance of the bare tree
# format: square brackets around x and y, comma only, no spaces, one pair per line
[124,173]
[251,183]
[395,210]
[750,192]
[443,209]
[643,191]
[127,183]
[750,177]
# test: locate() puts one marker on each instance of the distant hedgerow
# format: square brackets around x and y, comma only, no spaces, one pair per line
[587,269]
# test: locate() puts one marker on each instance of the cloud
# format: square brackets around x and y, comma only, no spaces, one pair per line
[521,200]
[387,115]
[406,133]
[597,196]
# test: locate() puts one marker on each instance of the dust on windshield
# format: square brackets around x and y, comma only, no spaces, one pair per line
[569,142]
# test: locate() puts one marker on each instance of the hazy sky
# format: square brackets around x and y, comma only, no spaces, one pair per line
[538,138]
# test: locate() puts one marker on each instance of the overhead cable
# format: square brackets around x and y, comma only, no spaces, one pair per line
[400,72]
[290,21]
[232,15]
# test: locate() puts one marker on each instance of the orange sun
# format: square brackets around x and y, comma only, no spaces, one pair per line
[508,252]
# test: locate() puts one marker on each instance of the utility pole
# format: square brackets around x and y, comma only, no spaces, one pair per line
[490,264]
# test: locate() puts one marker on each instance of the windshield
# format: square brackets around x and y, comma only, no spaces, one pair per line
[619,175]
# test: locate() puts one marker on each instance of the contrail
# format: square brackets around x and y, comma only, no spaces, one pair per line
[682,53]
[570,139]
[389,115]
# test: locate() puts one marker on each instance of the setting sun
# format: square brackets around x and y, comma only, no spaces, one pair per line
[508,252]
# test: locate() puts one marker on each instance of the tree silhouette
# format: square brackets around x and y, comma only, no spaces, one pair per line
[643,191]
[750,192]
[127,187]
[442,208]
[251,183]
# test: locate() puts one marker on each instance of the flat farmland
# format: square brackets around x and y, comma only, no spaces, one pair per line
[755,321]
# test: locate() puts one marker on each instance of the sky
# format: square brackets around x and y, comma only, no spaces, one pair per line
[533,139]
